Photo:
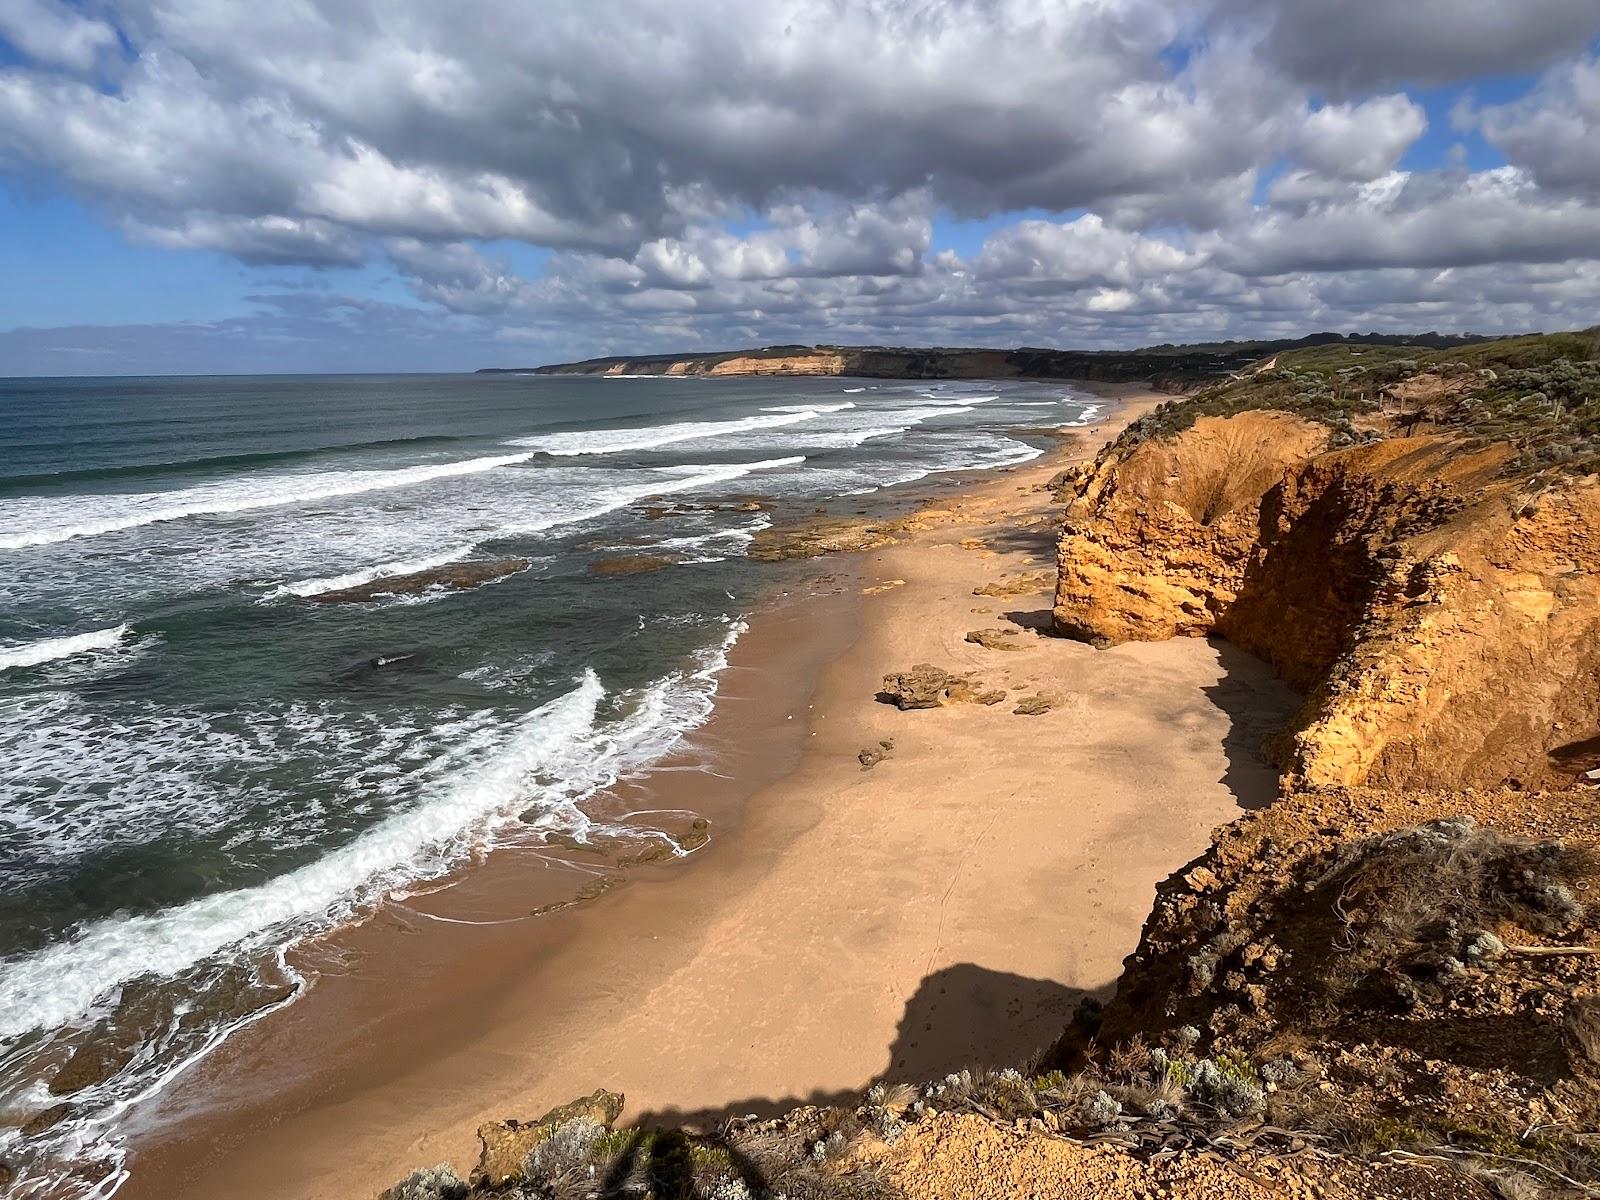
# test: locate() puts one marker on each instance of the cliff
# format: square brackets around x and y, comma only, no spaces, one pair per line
[1395,570]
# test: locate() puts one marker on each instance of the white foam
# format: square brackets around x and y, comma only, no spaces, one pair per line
[477,786]
[698,476]
[44,521]
[1089,413]
[810,408]
[616,441]
[853,391]
[31,654]
[335,583]
[743,534]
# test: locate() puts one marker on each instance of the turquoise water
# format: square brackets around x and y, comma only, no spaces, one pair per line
[200,763]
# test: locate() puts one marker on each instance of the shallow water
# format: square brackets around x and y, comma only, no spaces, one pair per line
[200,763]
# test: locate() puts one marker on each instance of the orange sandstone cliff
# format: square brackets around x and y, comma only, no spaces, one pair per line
[1440,614]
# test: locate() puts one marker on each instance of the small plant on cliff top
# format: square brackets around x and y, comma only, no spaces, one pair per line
[431,1183]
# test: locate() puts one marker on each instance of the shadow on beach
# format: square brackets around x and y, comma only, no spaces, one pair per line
[961,1017]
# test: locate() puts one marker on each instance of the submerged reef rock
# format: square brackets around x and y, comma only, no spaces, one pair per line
[636,564]
[823,535]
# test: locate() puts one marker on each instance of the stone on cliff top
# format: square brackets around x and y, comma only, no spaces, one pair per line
[506,1143]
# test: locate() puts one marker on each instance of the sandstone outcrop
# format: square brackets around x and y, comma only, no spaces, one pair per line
[994,639]
[928,686]
[1397,582]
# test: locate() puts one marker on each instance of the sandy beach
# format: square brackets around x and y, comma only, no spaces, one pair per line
[946,907]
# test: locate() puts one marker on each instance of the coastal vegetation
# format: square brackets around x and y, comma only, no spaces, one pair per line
[1540,394]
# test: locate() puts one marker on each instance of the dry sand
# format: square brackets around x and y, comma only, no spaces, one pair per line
[946,908]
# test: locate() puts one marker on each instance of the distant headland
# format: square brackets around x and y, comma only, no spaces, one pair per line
[1164,364]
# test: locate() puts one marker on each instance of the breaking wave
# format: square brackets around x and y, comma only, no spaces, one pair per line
[338,583]
[61,519]
[615,441]
[31,654]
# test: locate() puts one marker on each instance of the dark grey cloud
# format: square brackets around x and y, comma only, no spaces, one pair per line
[1347,45]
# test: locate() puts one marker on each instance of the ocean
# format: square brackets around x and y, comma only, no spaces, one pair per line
[219,732]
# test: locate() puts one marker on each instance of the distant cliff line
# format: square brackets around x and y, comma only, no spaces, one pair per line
[1172,366]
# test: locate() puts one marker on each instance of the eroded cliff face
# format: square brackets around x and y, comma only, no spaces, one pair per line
[1440,618]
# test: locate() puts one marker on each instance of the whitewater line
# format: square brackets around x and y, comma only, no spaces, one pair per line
[149,508]
[31,654]
[615,441]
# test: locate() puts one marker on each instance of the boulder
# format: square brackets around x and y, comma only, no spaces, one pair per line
[994,639]
[928,686]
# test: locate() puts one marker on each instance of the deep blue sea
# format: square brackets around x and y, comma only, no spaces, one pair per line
[201,763]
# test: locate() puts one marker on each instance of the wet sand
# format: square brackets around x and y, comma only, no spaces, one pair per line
[945,908]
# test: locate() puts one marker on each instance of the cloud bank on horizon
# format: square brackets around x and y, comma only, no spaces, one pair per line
[362,183]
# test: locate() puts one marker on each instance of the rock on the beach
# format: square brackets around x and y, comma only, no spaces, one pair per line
[48,1119]
[994,639]
[1034,706]
[928,686]
[873,755]
[506,1143]
[459,576]
[1019,585]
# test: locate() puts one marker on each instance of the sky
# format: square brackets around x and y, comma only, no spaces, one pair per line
[205,186]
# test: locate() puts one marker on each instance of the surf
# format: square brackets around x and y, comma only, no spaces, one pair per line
[33,654]
[650,437]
